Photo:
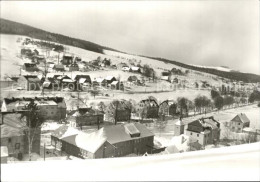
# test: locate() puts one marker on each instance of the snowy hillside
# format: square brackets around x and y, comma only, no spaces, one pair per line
[220,68]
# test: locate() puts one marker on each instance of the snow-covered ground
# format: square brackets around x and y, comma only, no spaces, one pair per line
[220,68]
[236,163]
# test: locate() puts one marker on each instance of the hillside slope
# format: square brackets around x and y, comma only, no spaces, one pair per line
[11,27]
[238,76]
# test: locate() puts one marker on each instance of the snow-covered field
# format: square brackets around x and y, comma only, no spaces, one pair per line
[214,164]
[10,49]
[220,68]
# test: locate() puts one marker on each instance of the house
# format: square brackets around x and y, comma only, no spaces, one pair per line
[100,82]
[88,116]
[82,80]
[68,83]
[239,122]
[130,138]
[4,154]
[74,67]
[33,83]
[49,107]
[67,59]
[165,75]
[118,111]
[148,108]
[86,145]
[59,67]
[109,141]
[37,59]
[62,132]
[14,137]
[110,79]
[135,69]
[179,127]
[29,82]
[30,67]
[205,130]
[168,107]
[115,85]
[26,52]
[121,65]
[79,144]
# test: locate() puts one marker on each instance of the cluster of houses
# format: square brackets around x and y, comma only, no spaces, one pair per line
[59,81]
[125,67]
[130,138]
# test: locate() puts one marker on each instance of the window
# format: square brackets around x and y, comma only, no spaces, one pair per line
[198,135]
[9,140]
[17,146]
[190,133]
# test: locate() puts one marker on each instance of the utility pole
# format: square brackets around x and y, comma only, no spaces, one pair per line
[44,152]
[116,112]
[29,133]
[98,121]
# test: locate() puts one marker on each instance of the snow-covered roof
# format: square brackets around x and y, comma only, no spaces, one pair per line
[164,77]
[114,82]
[179,123]
[46,84]
[125,68]
[99,80]
[82,80]
[135,68]
[50,126]
[46,102]
[64,131]
[68,80]
[241,118]
[88,141]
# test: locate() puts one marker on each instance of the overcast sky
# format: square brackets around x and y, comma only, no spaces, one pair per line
[213,33]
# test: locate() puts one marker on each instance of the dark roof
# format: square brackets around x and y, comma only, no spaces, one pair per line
[241,118]
[30,65]
[168,102]
[206,123]
[59,66]
[77,77]
[33,79]
[117,133]
[149,101]
[11,102]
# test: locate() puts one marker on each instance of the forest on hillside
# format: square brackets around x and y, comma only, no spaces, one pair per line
[236,76]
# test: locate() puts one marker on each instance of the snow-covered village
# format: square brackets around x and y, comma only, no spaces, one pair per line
[66,99]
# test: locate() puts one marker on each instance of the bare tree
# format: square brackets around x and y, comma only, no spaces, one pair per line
[32,124]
